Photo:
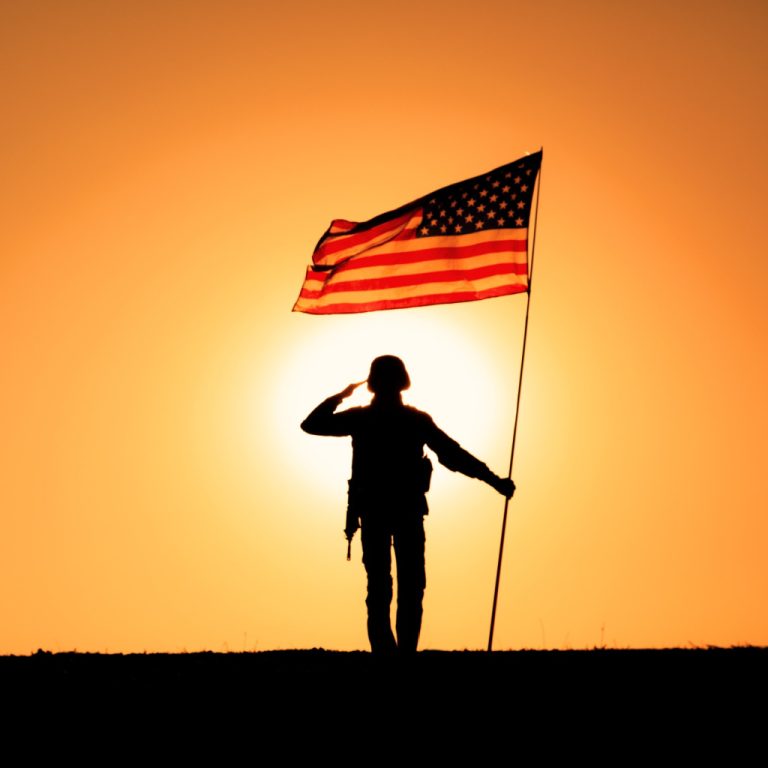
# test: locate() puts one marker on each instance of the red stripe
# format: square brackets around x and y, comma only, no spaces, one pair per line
[418,301]
[341,225]
[398,281]
[333,243]
[445,252]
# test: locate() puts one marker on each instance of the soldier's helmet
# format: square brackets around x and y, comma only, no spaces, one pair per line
[388,375]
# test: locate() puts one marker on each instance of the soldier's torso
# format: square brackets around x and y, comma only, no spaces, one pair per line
[387,457]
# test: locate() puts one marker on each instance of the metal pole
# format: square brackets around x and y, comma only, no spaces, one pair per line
[517,412]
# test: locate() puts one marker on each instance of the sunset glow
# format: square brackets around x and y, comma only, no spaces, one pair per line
[167,170]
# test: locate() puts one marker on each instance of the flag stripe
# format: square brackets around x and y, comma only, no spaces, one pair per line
[418,278]
[389,265]
[333,247]
[490,240]
[394,256]
[341,225]
[351,296]
[387,272]
[452,297]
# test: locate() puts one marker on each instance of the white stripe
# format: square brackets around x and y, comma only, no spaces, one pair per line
[419,267]
[427,243]
[363,245]
[411,291]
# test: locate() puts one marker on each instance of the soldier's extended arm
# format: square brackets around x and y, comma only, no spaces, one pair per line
[323,420]
[453,456]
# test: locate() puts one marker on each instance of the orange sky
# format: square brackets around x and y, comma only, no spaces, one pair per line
[167,169]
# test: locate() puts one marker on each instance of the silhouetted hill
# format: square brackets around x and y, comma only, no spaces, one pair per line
[350,707]
[431,674]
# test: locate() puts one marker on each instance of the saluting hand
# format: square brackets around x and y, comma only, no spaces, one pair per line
[345,393]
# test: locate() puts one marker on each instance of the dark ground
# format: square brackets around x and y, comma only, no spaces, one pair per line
[468,699]
[684,673]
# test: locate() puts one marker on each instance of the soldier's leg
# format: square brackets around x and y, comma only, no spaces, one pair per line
[411,582]
[377,561]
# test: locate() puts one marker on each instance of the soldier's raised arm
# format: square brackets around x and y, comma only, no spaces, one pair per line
[323,420]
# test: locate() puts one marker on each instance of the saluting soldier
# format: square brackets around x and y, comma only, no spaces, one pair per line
[387,493]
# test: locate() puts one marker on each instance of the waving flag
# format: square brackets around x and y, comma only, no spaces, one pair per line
[464,242]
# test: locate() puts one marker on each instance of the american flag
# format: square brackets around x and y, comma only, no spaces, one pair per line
[464,242]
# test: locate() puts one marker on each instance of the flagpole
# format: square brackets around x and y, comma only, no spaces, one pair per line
[517,410]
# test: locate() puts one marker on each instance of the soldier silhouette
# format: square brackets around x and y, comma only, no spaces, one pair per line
[390,477]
